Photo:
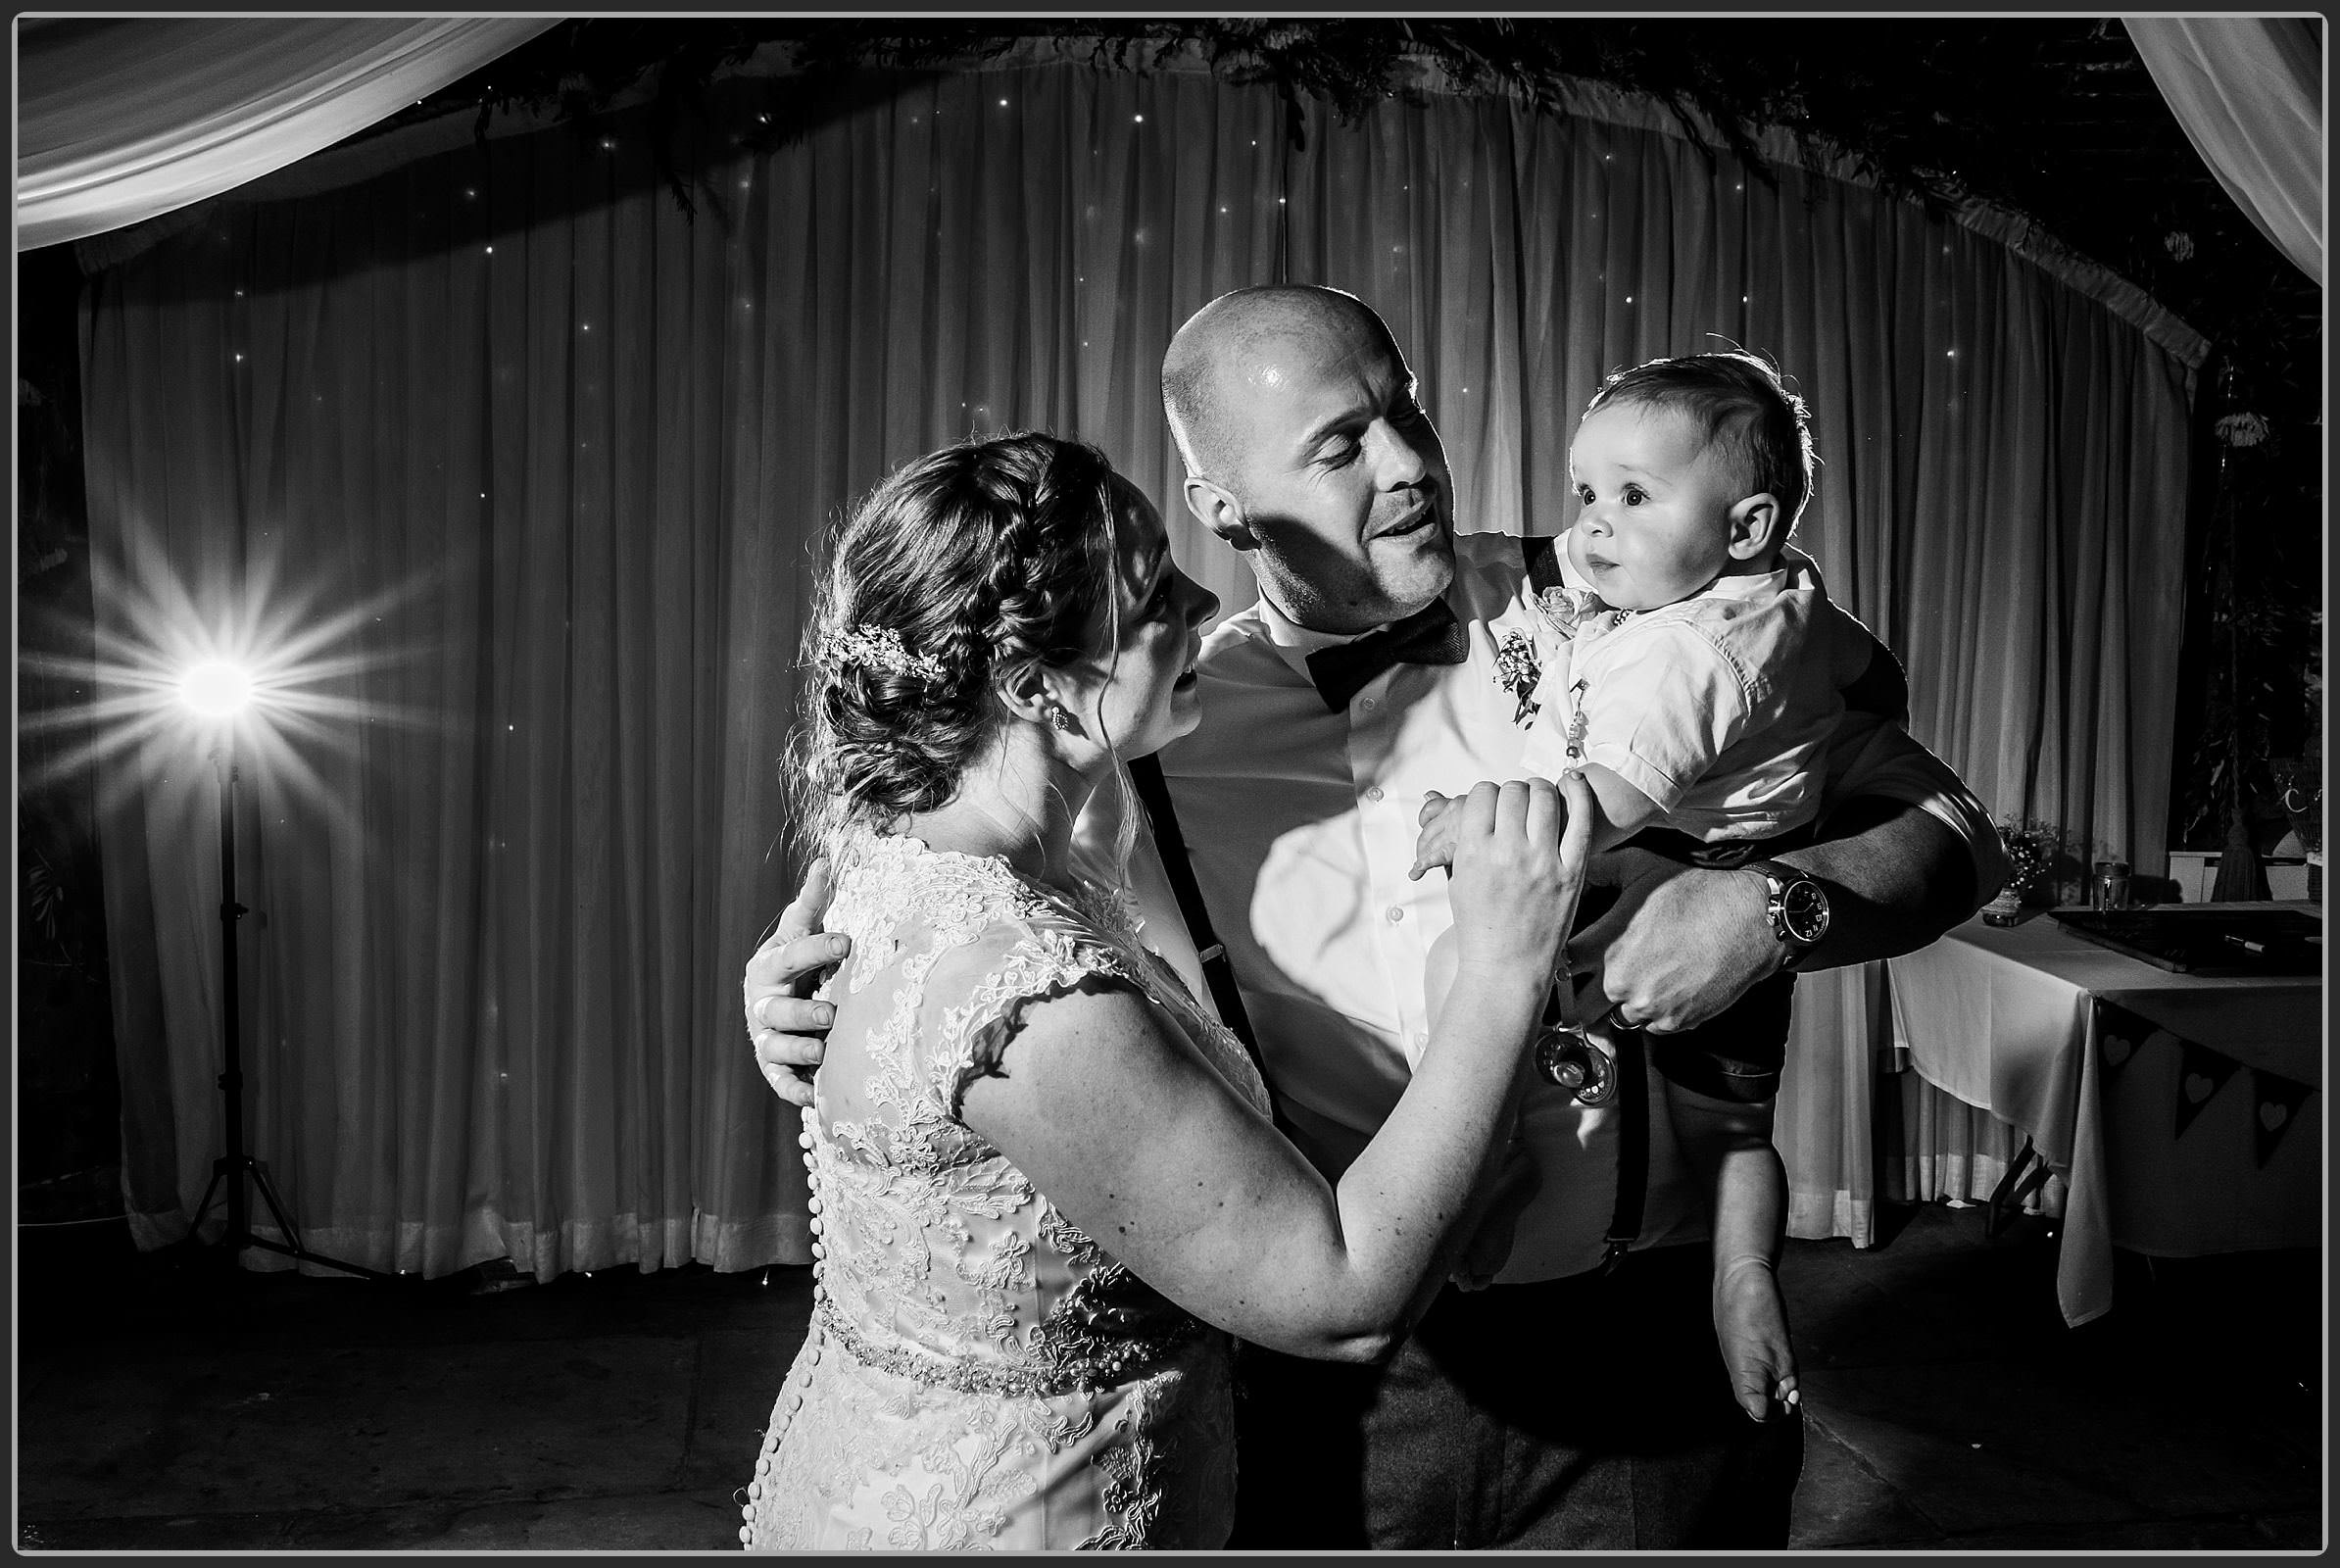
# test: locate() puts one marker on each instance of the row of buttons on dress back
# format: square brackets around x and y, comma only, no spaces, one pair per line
[796,1395]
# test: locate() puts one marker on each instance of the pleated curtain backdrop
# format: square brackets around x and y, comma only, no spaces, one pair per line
[549,459]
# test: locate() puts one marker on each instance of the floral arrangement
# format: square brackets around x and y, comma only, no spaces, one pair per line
[2030,848]
[2241,429]
[2043,858]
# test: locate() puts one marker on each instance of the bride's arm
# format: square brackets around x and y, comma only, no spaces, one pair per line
[1109,1110]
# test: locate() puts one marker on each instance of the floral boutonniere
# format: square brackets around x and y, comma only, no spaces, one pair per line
[1575,612]
[1517,670]
[1560,608]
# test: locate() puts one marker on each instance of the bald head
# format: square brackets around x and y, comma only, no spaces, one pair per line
[1306,451]
[1240,341]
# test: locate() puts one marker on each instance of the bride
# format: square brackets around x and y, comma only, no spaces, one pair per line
[1045,1186]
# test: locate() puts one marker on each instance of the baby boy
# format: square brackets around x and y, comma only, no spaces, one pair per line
[1686,674]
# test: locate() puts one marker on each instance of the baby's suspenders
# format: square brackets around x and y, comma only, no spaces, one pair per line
[1541,557]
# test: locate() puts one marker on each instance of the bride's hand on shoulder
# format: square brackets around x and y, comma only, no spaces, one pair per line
[787,1028]
[1519,860]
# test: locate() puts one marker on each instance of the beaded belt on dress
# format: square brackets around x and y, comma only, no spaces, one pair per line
[1136,1360]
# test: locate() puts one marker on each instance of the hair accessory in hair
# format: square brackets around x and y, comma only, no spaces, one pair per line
[875,647]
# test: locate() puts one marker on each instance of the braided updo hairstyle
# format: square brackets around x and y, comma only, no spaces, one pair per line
[987,555]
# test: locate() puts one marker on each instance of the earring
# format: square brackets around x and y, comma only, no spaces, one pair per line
[1062,718]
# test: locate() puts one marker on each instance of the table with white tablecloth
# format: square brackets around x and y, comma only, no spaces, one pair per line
[2183,1111]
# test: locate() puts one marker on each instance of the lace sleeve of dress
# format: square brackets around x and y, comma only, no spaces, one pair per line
[1026,964]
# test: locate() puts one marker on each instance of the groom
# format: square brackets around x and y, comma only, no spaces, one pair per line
[1580,1401]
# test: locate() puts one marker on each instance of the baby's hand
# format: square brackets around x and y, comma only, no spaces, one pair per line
[1440,815]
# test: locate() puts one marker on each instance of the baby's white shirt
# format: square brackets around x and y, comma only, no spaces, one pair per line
[1719,706]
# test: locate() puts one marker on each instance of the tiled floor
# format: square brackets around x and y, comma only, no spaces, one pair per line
[161,1406]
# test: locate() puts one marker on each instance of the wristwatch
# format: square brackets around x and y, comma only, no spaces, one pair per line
[1798,908]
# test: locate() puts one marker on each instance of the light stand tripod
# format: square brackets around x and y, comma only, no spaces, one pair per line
[236,1164]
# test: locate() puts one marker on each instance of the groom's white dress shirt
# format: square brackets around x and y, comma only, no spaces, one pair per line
[1302,823]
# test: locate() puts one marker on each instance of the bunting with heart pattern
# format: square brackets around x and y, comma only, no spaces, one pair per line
[2122,1036]
[2279,1099]
[2201,1073]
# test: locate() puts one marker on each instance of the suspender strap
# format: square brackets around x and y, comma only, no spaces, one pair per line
[1543,557]
[1632,1147]
[1883,687]
[1146,773]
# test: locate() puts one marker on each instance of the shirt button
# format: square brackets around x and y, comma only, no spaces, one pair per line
[1370,704]
[1373,794]
[1397,914]
[1421,1037]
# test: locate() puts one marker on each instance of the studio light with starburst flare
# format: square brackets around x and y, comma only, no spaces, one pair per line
[258,686]
[281,678]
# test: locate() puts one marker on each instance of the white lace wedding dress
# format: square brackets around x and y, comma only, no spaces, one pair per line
[979,1373]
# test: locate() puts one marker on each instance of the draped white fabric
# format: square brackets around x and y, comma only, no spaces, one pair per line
[2249,91]
[1857,1127]
[578,446]
[121,119]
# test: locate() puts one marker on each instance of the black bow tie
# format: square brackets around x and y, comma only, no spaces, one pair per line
[1429,635]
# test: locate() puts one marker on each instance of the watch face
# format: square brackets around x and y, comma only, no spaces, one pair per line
[1804,910]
